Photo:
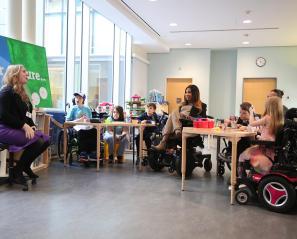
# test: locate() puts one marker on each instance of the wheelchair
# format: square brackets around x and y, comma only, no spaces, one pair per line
[275,190]
[172,156]
[81,144]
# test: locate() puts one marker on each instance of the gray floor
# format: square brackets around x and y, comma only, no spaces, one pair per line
[122,202]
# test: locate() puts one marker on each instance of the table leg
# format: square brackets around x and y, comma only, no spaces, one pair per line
[114,142]
[133,146]
[184,160]
[98,146]
[233,168]
[140,146]
[65,145]
[218,151]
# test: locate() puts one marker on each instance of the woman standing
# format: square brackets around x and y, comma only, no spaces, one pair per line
[16,125]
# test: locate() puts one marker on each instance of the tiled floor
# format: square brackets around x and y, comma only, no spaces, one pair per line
[122,202]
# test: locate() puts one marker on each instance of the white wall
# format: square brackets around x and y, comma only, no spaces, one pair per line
[281,63]
[180,63]
[139,77]
[222,83]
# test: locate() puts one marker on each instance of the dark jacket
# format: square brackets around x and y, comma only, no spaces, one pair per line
[153,117]
[13,109]
[195,113]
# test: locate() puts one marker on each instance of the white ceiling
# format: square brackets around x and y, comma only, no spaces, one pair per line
[205,23]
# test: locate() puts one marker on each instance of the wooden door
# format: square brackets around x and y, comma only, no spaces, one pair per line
[175,90]
[255,91]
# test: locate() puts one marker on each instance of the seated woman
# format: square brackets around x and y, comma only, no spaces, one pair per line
[261,158]
[122,134]
[192,107]
[16,125]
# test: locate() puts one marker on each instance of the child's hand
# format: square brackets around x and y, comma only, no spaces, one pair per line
[143,122]
[252,110]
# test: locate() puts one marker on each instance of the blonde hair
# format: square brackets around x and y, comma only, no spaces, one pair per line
[11,78]
[274,108]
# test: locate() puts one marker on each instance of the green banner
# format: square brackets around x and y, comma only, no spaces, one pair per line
[34,59]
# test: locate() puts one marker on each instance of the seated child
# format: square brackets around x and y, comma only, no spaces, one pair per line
[261,158]
[147,117]
[241,123]
[122,134]
[86,134]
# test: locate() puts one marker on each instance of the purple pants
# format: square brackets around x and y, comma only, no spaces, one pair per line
[16,138]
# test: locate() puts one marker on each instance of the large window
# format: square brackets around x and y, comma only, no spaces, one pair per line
[55,44]
[100,80]
[3,18]
[86,52]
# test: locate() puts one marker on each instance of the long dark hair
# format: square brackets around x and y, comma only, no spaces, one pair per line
[195,97]
[120,110]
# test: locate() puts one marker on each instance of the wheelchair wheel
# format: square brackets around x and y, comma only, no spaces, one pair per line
[243,195]
[221,170]
[61,145]
[153,160]
[190,164]
[276,194]
[207,165]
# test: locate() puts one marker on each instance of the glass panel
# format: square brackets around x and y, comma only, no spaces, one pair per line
[78,37]
[122,71]
[55,42]
[100,78]
[3,18]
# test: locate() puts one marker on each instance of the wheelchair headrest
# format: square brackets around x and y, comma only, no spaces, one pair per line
[291,114]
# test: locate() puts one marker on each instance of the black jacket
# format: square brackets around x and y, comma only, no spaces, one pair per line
[13,109]
[195,113]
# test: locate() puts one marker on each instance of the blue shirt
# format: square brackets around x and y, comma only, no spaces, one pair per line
[77,112]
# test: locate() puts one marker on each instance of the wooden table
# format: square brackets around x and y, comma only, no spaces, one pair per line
[233,135]
[98,126]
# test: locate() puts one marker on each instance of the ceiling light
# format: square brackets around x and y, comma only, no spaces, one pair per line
[245,42]
[247,21]
[173,24]
[153,0]
[188,44]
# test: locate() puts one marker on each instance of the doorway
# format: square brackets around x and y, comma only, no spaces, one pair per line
[175,89]
[255,91]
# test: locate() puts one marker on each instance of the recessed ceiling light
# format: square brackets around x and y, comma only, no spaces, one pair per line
[245,42]
[188,44]
[247,21]
[173,24]
[153,0]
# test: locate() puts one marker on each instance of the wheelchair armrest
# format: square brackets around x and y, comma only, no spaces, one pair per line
[186,122]
[266,143]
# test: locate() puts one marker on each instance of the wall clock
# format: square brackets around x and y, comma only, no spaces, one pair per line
[260,61]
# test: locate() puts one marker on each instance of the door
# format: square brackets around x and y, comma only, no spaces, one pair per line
[175,89]
[255,91]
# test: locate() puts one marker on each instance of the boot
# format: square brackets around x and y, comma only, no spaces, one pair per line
[120,159]
[30,173]
[110,159]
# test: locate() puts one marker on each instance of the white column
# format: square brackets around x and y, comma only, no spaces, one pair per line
[29,21]
[14,22]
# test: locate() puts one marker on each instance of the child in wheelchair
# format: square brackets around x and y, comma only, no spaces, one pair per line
[269,124]
[81,136]
[241,122]
[272,172]
[147,117]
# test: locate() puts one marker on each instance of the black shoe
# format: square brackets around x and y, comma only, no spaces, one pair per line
[110,159]
[20,180]
[120,159]
[30,173]
[101,163]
